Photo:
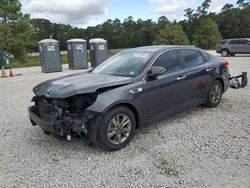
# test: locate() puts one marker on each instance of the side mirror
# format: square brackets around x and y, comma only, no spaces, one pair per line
[156,71]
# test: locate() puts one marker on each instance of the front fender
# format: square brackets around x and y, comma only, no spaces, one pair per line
[103,104]
[109,99]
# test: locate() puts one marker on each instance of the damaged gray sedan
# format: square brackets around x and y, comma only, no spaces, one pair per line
[131,89]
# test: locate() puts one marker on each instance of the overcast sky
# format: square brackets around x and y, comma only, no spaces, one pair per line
[83,13]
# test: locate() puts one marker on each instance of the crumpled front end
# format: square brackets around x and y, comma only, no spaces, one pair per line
[62,117]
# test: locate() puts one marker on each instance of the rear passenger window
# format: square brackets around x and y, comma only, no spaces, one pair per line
[206,57]
[234,42]
[169,60]
[191,57]
[223,42]
[243,41]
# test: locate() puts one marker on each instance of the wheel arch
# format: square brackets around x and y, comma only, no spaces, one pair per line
[224,49]
[221,81]
[130,107]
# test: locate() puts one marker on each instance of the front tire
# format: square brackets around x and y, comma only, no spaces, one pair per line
[117,128]
[214,94]
[224,53]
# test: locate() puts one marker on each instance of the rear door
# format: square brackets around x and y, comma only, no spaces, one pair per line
[198,70]
[235,46]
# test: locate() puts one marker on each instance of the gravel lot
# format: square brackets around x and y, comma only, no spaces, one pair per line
[199,148]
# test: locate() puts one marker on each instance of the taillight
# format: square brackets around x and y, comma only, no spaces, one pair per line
[225,64]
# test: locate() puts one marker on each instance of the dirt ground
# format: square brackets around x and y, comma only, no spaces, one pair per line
[199,148]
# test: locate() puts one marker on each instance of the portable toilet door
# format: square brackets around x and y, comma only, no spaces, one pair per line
[77,54]
[50,55]
[98,51]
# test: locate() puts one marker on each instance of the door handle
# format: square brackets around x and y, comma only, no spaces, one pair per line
[209,69]
[181,77]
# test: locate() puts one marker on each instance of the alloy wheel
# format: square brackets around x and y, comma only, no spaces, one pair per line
[216,94]
[224,53]
[119,129]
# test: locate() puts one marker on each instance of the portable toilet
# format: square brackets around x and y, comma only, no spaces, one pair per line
[4,60]
[98,51]
[77,54]
[50,55]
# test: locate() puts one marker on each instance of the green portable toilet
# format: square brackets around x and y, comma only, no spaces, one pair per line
[4,60]
[50,55]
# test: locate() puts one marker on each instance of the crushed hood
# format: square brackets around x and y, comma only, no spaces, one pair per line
[82,83]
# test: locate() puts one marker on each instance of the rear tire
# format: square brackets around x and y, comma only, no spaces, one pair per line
[117,128]
[214,94]
[224,53]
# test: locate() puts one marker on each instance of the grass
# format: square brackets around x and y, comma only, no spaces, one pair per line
[35,61]
[32,61]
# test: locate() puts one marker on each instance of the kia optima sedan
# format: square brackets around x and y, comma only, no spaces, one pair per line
[133,88]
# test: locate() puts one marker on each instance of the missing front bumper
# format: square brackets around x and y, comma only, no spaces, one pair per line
[54,127]
[63,128]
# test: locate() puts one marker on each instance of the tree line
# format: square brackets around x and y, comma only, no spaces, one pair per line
[19,34]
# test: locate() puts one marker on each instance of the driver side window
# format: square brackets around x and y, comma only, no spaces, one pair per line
[169,60]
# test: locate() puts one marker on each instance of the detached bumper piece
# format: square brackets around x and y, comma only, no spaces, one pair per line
[240,81]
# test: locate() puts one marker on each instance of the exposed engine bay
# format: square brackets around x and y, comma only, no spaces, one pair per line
[64,117]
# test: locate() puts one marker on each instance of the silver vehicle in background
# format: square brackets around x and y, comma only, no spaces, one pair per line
[231,47]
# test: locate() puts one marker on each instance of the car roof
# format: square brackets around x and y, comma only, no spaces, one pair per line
[236,39]
[159,48]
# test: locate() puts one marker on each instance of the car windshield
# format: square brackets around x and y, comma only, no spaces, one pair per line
[129,64]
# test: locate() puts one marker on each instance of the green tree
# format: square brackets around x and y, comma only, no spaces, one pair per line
[188,24]
[243,3]
[203,9]
[207,34]
[15,29]
[117,40]
[145,33]
[171,34]
[189,13]
[244,25]
[10,11]
[228,23]
[227,7]
[42,28]
[162,22]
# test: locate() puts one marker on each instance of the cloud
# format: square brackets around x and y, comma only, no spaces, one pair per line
[216,6]
[171,8]
[73,12]
[175,9]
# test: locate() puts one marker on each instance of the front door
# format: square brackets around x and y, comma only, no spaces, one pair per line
[165,92]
